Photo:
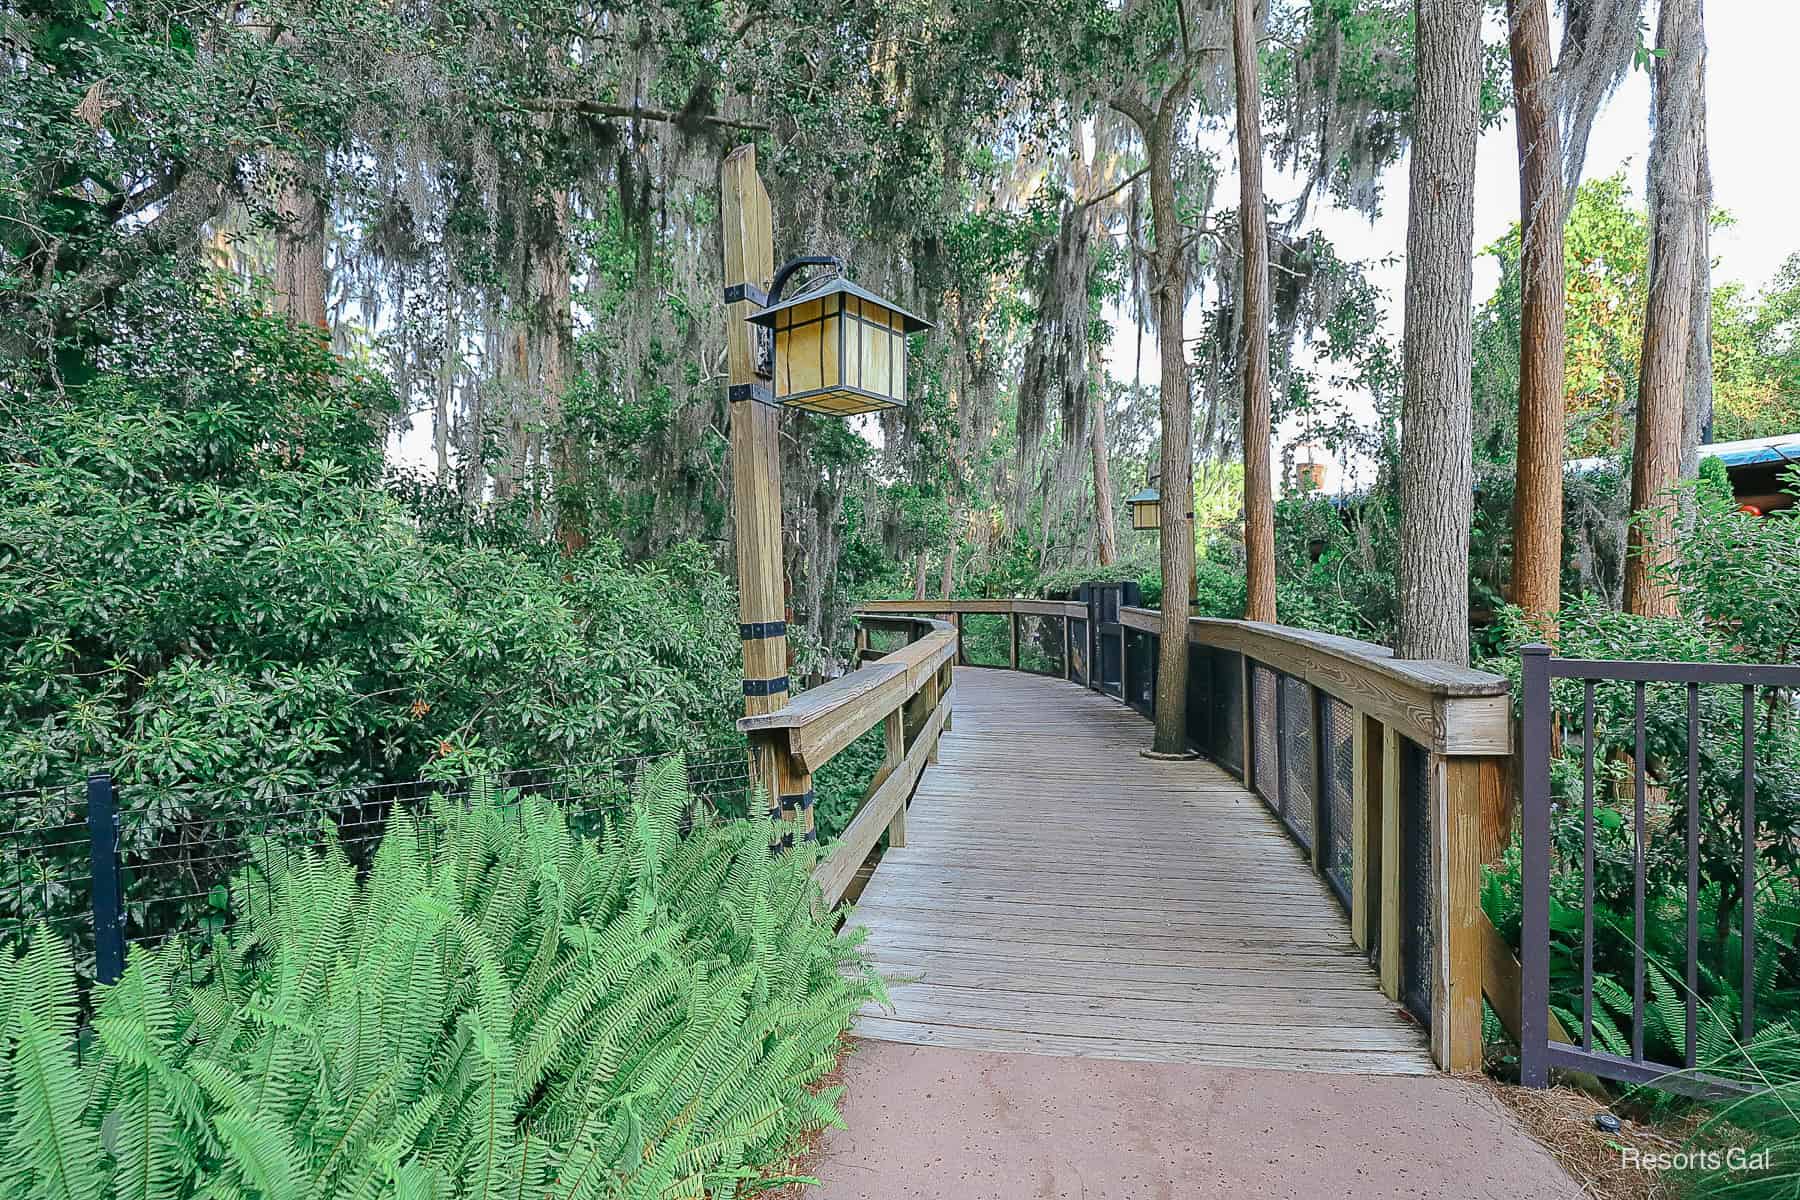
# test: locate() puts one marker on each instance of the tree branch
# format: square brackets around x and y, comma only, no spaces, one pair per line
[635,112]
[1115,189]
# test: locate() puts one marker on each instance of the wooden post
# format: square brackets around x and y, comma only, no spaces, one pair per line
[956,618]
[862,646]
[1068,648]
[933,695]
[1390,862]
[895,730]
[1012,652]
[1456,974]
[1365,830]
[745,218]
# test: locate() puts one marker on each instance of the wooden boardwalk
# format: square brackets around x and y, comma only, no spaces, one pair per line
[1060,894]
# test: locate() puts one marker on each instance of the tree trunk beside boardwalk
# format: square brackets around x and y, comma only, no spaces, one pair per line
[1436,465]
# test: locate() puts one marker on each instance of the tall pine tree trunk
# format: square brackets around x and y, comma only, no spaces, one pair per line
[1674,250]
[1697,411]
[1436,468]
[1537,496]
[1253,340]
[1177,436]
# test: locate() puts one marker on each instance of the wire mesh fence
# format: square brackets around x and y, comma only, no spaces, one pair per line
[106,867]
[1416,891]
[1296,736]
[1337,768]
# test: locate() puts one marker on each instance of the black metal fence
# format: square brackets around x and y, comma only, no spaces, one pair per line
[1668,784]
[108,866]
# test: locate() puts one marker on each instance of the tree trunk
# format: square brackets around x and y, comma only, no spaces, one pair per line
[446,389]
[1697,412]
[300,236]
[551,330]
[1662,380]
[300,255]
[919,576]
[1106,536]
[1436,468]
[1537,496]
[1253,337]
[947,581]
[1177,435]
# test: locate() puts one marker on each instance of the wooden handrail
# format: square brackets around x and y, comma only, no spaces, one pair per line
[914,680]
[1447,709]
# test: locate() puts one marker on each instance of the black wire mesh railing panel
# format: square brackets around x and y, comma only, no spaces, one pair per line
[1197,709]
[1140,670]
[1041,644]
[1109,658]
[45,869]
[986,639]
[1227,702]
[1264,749]
[1416,909]
[180,856]
[1337,766]
[1296,749]
[1078,650]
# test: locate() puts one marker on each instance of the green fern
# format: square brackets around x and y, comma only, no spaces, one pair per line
[500,1009]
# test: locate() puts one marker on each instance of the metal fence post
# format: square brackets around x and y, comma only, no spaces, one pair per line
[1534,937]
[107,892]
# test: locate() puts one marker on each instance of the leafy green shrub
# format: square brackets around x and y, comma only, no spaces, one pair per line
[206,590]
[500,1007]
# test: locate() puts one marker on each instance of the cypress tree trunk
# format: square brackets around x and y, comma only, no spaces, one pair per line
[1674,248]
[1253,340]
[1537,497]
[1436,468]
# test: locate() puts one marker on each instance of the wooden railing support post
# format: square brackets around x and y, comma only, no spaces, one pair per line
[1068,648]
[1012,648]
[895,730]
[1391,863]
[1456,982]
[1365,830]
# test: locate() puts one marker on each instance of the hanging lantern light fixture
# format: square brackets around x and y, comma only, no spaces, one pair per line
[838,348]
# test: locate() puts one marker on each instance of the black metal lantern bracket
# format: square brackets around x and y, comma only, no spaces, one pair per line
[763,348]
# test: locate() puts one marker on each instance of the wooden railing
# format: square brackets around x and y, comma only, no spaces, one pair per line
[910,691]
[1393,775]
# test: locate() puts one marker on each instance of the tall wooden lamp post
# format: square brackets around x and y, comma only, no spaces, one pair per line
[833,348]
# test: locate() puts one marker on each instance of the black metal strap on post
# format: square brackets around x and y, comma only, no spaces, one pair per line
[751,631]
[766,687]
[107,891]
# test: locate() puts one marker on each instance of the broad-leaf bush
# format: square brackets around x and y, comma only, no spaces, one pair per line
[204,587]
[500,1007]
[207,590]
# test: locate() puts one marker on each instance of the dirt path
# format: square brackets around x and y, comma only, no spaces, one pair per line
[929,1123]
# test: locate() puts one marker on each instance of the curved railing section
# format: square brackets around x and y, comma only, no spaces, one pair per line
[909,691]
[1394,776]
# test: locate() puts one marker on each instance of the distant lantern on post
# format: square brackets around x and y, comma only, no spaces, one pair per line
[1146,509]
[839,348]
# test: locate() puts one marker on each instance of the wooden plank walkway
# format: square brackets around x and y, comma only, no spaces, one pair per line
[1061,894]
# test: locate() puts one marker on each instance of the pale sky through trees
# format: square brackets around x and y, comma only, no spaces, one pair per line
[1755,172]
